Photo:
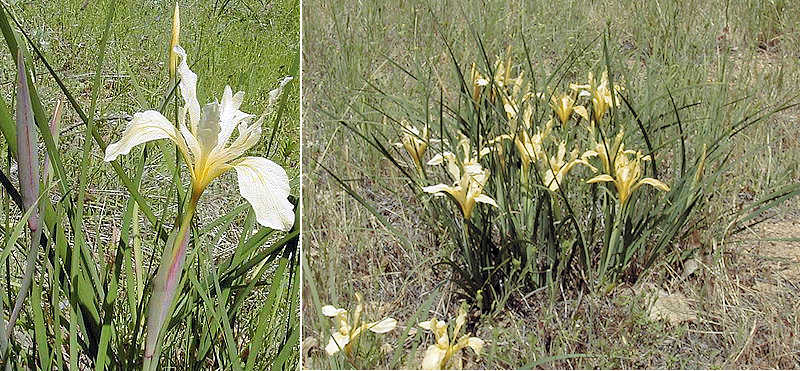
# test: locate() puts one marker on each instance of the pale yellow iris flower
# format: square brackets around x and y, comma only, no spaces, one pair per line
[628,175]
[439,354]
[558,169]
[606,151]
[209,149]
[414,141]
[531,147]
[478,83]
[502,71]
[351,327]
[469,179]
[502,78]
[564,105]
[600,94]
[514,96]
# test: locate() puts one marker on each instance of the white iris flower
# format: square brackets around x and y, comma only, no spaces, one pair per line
[209,150]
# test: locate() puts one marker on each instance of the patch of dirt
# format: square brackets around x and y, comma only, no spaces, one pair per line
[672,307]
[779,254]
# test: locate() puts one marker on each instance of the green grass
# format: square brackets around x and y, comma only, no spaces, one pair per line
[351,51]
[243,312]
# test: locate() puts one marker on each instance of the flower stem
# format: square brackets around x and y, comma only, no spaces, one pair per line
[166,281]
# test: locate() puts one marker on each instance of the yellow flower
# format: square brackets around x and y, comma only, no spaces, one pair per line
[414,142]
[606,153]
[351,327]
[601,94]
[438,354]
[502,71]
[564,105]
[469,179]
[514,99]
[502,77]
[554,174]
[208,150]
[530,148]
[478,83]
[628,175]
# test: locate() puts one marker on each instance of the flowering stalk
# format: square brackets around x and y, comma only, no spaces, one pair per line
[28,160]
[167,278]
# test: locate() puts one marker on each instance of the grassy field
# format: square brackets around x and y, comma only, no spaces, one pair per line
[249,45]
[734,304]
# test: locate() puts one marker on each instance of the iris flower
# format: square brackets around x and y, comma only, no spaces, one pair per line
[437,355]
[554,175]
[600,93]
[502,76]
[478,83]
[530,147]
[605,152]
[469,179]
[564,105]
[209,149]
[628,175]
[351,327]
[415,142]
[514,98]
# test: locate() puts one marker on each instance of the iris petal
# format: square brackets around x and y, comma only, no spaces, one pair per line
[331,311]
[229,114]
[433,358]
[188,88]
[383,326]
[208,128]
[144,127]
[265,185]
[336,343]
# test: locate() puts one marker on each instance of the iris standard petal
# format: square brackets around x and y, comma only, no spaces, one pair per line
[229,114]
[265,185]
[144,127]
[188,88]
[208,128]
[248,137]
